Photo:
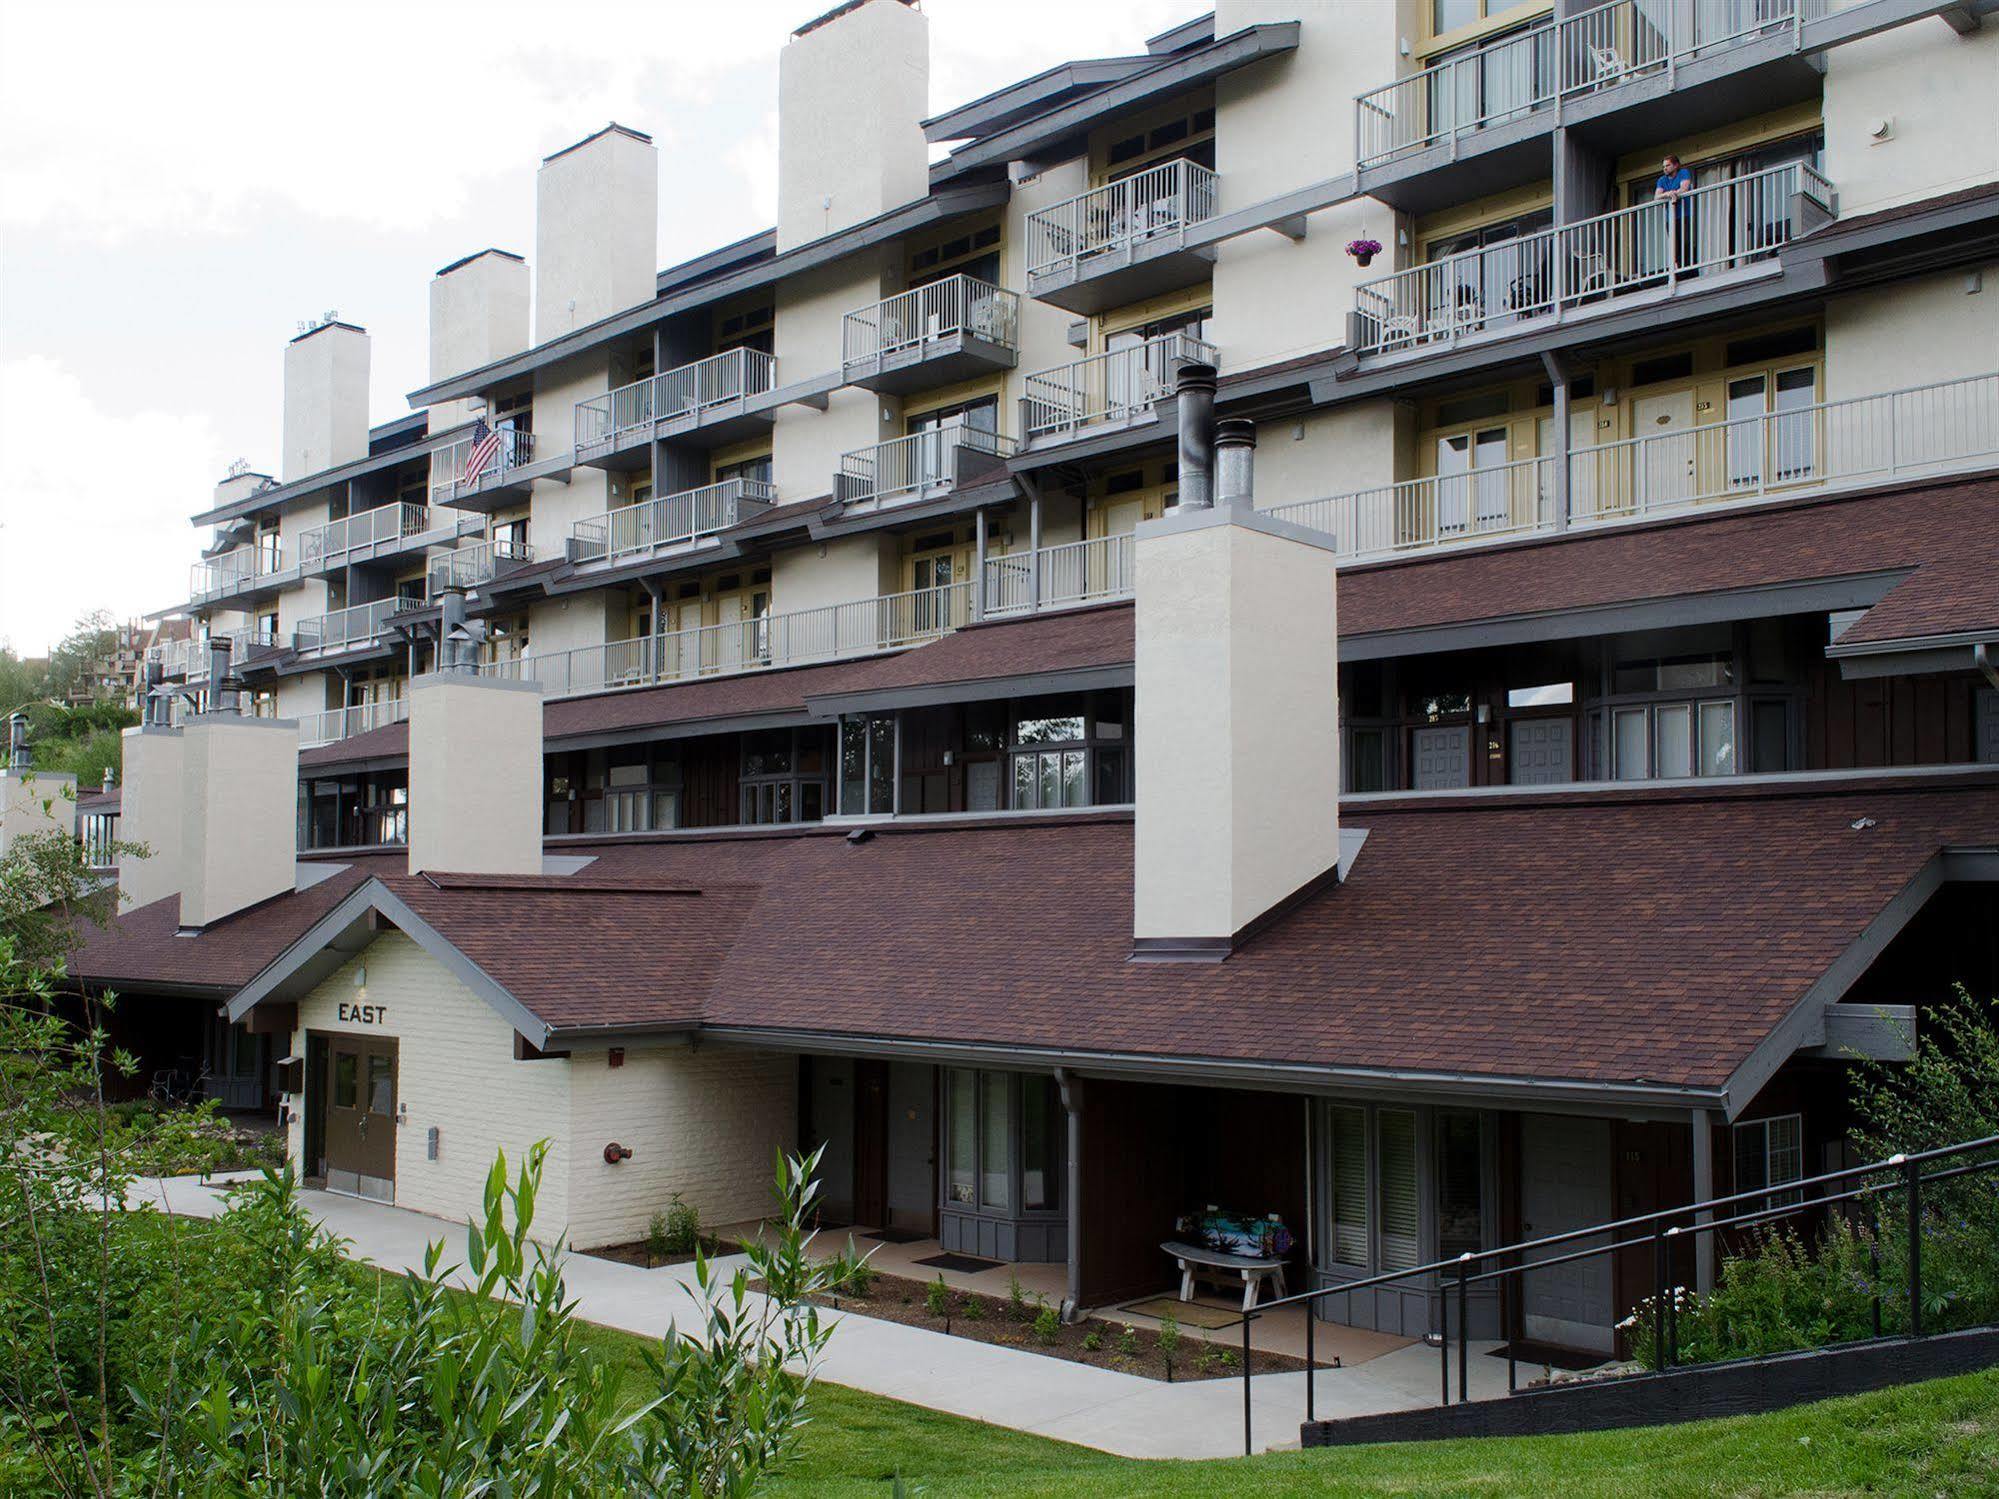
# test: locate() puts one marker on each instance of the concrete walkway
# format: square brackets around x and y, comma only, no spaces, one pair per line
[1051,1397]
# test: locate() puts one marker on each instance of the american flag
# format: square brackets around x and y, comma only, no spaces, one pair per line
[485,446]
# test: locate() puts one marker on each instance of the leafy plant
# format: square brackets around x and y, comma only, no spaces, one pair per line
[1093,1341]
[973,1309]
[1204,1359]
[658,1244]
[1230,1360]
[1167,1340]
[1016,1298]
[937,1300]
[1047,1325]
[1127,1341]
[682,1226]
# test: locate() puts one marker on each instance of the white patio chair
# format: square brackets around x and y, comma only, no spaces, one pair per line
[1609,64]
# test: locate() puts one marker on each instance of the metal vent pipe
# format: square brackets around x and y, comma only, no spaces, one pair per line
[17,741]
[1235,463]
[1196,391]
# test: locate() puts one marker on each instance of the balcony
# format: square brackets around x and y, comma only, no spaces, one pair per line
[335,724]
[1107,390]
[240,642]
[1074,573]
[173,656]
[470,567]
[244,571]
[355,628]
[834,632]
[950,330]
[498,473]
[388,531]
[672,520]
[1919,432]
[1634,70]
[1122,242]
[710,402]
[922,466]
[1651,252]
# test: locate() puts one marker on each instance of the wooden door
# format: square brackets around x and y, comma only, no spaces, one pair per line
[360,1127]
[871,1144]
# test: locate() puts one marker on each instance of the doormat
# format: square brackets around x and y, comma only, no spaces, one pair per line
[1567,1359]
[963,1263]
[895,1235]
[1186,1313]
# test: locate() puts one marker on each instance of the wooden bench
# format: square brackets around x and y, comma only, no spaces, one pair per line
[1193,1259]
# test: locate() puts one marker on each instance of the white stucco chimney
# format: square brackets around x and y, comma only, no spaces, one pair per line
[238,813]
[151,755]
[31,801]
[236,487]
[853,88]
[326,399]
[475,775]
[478,313]
[596,230]
[1237,714]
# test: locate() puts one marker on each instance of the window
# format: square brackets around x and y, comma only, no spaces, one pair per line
[750,470]
[1348,1197]
[1460,1184]
[1367,760]
[346,1080]
[783,776]
[998,1124]
[1674,741]
[1400,1219]
[867,765]
[1768,1153]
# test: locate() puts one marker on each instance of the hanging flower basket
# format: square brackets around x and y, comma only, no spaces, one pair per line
[1364,250]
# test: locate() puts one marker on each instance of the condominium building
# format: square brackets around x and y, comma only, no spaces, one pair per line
[1287,619]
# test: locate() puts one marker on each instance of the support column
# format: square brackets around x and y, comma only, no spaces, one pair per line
[1704,1256]
[979,564]
[1034,549]
[1071,1087]
[1558,375]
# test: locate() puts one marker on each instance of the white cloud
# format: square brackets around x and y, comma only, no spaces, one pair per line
[94,511]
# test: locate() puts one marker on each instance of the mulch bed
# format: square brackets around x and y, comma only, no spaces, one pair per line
[635,1253]
[995,1319]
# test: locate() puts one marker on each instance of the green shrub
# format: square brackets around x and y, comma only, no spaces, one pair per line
[1168,1341]
[1047,1325]
[937,1298]
[1016,1298]
[682,1227]
[1127,1341]
[1093,1341]
[656,1240]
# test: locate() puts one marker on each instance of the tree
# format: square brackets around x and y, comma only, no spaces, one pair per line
[73,662]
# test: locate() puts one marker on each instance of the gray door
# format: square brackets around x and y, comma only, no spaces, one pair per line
[1443,757]
[912,1146]
[1540,751]
[1565,1184]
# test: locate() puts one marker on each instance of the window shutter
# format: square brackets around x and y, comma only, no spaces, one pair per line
[1398,1189]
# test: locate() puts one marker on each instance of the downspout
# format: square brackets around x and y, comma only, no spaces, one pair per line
[1071,1089]
[1981,657]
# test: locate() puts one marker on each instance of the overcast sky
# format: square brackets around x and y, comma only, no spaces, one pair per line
[181,184]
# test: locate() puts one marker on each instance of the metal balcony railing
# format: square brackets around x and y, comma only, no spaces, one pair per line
[669,520]
[1924,430]
[1107,388]
[453,474]
[173,656]
[326,545]
[344,723]
[241,642]
[804,637]
[1075,572]
[629,413]
[344,629]
[468,567]
[1557,59]
[929,314]
[920,464]
[1593,261]
[234,571]
[1114,221]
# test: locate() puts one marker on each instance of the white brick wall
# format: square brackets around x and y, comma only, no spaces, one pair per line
[702,1123]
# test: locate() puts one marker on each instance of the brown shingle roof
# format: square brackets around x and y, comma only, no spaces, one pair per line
[1673,559]
[1952,595]
[1042,644]
[1600,937]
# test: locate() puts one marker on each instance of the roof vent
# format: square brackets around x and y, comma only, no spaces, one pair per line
[861,835]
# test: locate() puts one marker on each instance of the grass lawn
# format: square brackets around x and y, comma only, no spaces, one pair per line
[1937,1438]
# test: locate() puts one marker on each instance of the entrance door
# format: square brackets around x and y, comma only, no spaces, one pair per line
[871,1144]
[1666,454]
[1565,1184]
[1540,751]
[361,1116]
[1442,757]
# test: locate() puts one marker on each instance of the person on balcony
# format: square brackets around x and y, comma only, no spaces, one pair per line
[1676,186]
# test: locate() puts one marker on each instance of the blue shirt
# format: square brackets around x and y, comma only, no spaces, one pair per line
[1678,181]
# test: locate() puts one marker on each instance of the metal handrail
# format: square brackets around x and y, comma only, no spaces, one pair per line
[236,569]
[1108,387]
[1070,573]
[806,636]
[1922,429]
[1900,1172]
[912,464]
[670,520]
[1156,205]
[685,394]
[335,724]
[937,310]
[468,567]
[515,450]
[396,521]
[1560,58]
[1721,225]
[349,626]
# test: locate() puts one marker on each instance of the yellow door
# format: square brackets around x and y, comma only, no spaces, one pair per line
[1662,467]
